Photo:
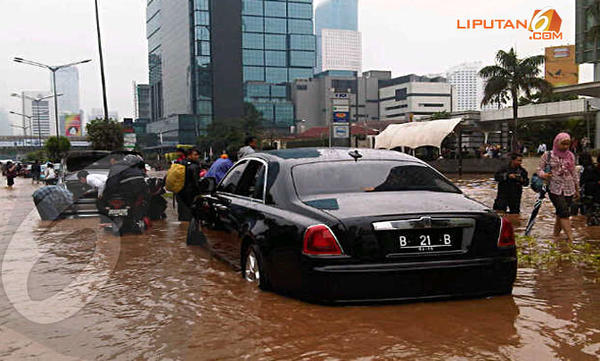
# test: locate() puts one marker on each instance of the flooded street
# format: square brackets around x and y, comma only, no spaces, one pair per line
[152,297]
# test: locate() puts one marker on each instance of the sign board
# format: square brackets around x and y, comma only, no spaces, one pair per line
[129,140]
[341,95]
[341,108]
[561,68]
[341,131]
[341,102]
[341,117]
[72,125]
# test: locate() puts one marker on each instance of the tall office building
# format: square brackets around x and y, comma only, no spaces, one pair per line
[5,124]
[468,85]
[142,101]
[341,50]
[338,15]
[41,112]
[67,84]
[278,47]
[207,57]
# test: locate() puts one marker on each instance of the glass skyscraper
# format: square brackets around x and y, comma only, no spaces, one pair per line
[334,14]
[208,57]
[278,47]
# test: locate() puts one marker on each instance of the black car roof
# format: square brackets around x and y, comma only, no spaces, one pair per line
[311,155]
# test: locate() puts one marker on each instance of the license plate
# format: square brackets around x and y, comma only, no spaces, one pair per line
[118,212]
[429,241]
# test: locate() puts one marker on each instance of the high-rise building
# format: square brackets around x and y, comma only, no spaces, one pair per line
[337,15]
[242,50]
[411,97]
[5,124]
[41,112]
[142,101]
[341,50]
[468,85]
[67,84]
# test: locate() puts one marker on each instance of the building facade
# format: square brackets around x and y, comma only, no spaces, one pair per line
[206,58]
[5,124]
[67,84]
[41,112]
[315,99]
[412,97]
[338,15]
[341,50]
[142,101]
[278,47]
[468,85]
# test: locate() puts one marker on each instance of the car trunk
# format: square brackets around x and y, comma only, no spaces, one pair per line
[411,225]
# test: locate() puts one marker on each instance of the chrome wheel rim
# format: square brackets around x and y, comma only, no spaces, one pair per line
[252,272]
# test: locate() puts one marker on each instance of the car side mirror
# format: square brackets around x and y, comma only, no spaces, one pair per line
[208,185]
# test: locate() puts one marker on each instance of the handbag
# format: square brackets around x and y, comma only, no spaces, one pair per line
[537,182]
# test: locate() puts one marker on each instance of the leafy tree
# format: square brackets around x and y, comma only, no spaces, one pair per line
[540,98]
[105,135]
[39,155]
[228,134]
[56,148]
[510,77]
[440,115]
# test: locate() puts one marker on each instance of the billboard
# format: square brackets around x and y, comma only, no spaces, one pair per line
[561,68]
[72,125]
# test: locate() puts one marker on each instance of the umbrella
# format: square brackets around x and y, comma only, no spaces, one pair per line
[536,210]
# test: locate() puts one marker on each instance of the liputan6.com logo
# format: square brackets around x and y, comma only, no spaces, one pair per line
[545,24]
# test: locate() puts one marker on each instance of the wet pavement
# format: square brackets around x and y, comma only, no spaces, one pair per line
[152,297]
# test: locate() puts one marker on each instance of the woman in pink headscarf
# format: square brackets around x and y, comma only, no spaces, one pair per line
[563,181]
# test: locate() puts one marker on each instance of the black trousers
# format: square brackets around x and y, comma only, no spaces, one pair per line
[183,210]
[511,201]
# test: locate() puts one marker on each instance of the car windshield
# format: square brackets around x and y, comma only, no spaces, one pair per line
[367,176]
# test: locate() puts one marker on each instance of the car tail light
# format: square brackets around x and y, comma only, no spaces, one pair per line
[319,240]
[507,234]
[116,203]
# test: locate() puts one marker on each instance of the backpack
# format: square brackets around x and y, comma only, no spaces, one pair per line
[537,183]
[175,180]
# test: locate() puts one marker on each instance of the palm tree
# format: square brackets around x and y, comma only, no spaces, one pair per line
[511,77]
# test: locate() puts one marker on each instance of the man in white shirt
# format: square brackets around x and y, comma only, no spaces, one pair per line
[97,181]
[249,147]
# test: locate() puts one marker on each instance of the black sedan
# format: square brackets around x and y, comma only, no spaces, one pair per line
[354,225]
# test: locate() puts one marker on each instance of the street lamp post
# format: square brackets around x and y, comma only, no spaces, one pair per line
[37,108]
[24,127]
[105,102]
[53,69]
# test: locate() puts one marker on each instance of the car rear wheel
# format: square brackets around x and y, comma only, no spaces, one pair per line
[254,267]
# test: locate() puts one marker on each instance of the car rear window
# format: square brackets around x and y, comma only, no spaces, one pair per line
[88,161]
[367,176]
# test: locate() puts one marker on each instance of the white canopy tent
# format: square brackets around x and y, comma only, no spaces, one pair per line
[416,134]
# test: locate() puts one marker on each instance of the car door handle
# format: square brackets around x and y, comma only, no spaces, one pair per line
[221,208]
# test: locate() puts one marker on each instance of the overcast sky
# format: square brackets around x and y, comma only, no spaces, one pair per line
[404,36]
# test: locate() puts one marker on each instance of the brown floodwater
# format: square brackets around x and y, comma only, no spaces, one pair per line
[152,297]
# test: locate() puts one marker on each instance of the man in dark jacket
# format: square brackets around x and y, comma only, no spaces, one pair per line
[511,180]
[36,171]
[126,179]
[185,198]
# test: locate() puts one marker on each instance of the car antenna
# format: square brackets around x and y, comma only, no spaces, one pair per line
[355,154]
